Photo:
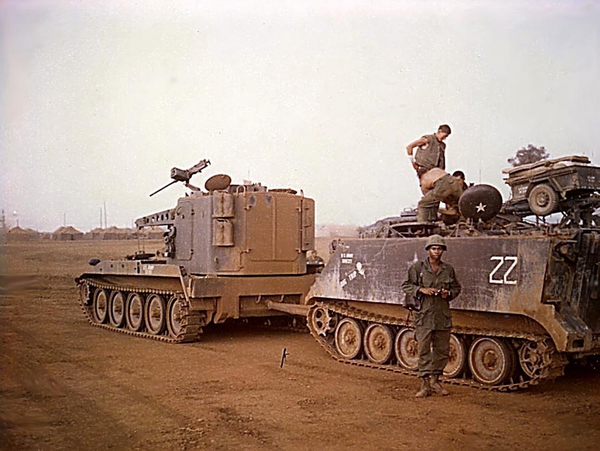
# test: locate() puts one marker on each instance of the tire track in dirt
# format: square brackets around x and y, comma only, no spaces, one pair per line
[37,372]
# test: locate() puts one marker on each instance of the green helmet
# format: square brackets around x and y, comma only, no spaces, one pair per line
[435,240]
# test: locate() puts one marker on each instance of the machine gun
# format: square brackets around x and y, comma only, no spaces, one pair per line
[184,175]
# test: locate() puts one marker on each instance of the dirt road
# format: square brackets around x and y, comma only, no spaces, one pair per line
[67,385]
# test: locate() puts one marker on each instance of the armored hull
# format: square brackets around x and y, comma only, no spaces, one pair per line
[233,251]
[529,303]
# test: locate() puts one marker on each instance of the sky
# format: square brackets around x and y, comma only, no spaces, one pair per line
[99,99]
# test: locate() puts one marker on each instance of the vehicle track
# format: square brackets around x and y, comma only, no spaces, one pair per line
[552,364]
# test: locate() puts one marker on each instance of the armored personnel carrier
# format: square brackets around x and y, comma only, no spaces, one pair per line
[231,251]
[530,300]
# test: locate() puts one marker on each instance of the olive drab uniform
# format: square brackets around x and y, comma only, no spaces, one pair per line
[430,155]
[433,321]
[446,189]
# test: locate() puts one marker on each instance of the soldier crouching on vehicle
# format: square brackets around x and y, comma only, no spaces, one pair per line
[438,186]
[435,282]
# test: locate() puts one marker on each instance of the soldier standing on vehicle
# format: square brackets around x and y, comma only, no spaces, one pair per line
[431,152]
[435,282]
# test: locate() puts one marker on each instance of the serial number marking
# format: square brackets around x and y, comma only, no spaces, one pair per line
[503,279]
[347,258]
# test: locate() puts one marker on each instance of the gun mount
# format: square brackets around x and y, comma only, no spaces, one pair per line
[184,175]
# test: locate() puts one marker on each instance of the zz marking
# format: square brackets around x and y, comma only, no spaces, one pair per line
[503,279]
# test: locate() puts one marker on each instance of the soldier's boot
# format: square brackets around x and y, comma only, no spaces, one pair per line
[436,386]
[425,389]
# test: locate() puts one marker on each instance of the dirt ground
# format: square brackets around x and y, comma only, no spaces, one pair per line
[67,385]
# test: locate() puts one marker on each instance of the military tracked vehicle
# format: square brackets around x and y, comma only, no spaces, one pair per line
[530,298]
[230,251]
[530,301]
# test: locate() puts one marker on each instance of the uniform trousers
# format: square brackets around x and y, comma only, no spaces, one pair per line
[446,189]
[434,350]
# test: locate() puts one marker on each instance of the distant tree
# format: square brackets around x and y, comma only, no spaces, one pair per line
[529,154]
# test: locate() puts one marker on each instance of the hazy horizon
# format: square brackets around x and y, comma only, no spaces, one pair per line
[100,99]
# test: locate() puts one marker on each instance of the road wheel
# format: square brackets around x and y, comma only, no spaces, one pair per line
[543,200]
[100,306]
[534,356]
[321,320]
[117,309]
[378,343]
[348,338]
[155,314]
[491,360]
[85,293]
[407,349]
[134,313]
[458,357]
[175,315]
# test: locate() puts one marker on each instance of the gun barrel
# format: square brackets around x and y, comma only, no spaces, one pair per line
[160,189]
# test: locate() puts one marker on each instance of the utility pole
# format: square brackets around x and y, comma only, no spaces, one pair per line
[105,222]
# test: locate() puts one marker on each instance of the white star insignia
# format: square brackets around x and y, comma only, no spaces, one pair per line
[480,207]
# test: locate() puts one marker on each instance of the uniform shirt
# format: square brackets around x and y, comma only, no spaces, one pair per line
[435,310]
[432,154]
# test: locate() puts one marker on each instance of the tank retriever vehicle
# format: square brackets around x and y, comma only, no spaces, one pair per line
[530,299]
[230,251]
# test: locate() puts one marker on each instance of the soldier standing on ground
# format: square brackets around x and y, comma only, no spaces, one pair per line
[431,151]
[435,281]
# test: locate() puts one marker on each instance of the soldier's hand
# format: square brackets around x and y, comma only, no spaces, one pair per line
[428,291]
[445,293]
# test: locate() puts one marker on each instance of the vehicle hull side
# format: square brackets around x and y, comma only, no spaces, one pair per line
[220,297]
[500,276]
